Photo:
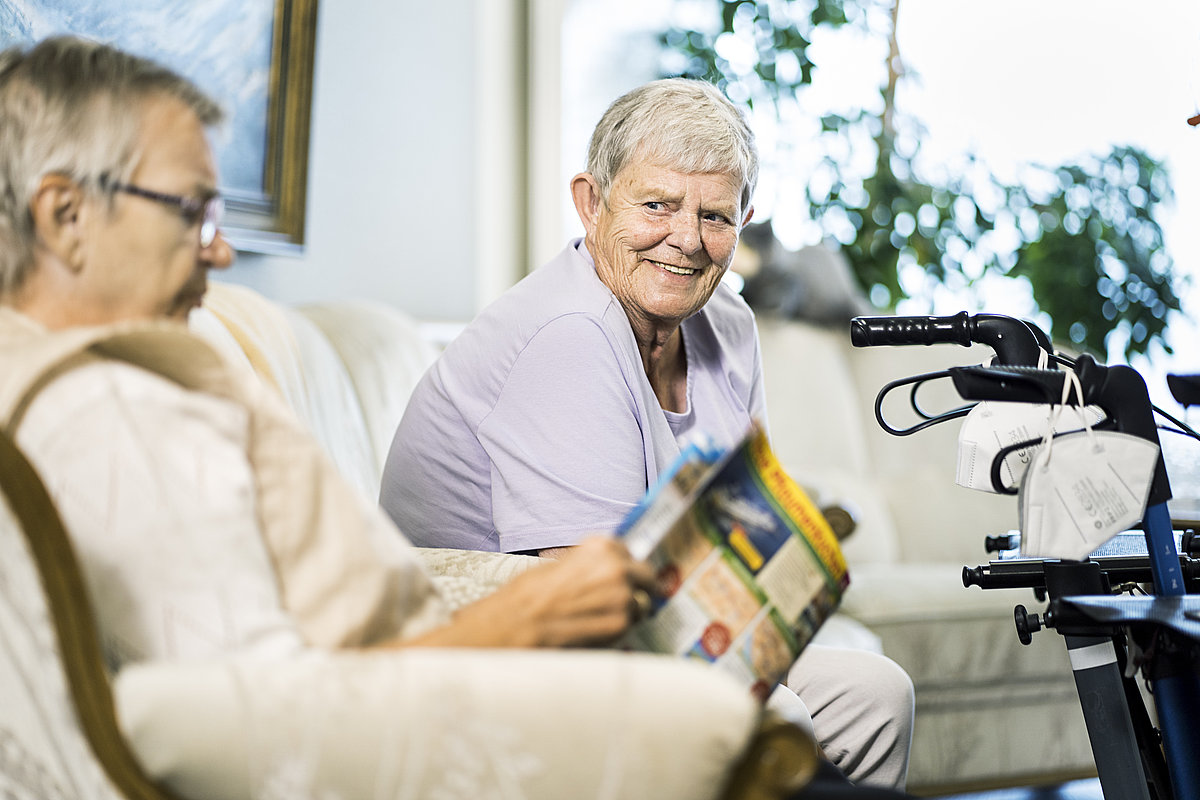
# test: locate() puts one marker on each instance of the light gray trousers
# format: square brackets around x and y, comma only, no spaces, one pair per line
[860,708]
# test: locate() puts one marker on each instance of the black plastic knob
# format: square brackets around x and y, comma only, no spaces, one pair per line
[971,575]
[1189,543]
[1027,624]
[998,544]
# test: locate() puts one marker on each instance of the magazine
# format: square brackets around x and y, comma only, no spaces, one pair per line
[747,566]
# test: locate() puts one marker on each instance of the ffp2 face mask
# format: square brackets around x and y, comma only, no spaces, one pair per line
[1082,490]
[990,426]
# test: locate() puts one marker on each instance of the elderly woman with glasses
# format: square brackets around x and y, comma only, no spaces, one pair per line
[557,408]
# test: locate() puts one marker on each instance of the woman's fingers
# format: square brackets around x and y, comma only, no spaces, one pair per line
[603,590]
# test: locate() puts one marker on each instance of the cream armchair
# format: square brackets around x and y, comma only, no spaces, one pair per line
[348,726]
[59,736]
[351,725]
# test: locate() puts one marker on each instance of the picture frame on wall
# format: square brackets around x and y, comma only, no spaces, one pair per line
[254,57]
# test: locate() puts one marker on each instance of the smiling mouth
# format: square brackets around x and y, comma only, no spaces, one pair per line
[674,270]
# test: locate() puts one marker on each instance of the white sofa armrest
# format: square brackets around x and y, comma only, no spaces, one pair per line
[464,576]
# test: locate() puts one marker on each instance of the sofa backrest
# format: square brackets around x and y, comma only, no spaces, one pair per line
[384,353]
[346,368]
[815,421]
[821,394]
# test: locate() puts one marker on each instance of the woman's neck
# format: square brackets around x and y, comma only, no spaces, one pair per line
[665,361]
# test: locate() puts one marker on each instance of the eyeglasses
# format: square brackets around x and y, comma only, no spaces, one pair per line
[207,212]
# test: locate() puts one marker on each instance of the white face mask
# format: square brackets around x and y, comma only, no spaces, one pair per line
[1082,489]
[990,426]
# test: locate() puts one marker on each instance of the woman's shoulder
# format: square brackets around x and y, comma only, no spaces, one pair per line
[563,292]
[561,304]
[566,283]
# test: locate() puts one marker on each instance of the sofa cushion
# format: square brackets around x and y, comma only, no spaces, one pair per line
[817,434]
[466,576]
[812,397]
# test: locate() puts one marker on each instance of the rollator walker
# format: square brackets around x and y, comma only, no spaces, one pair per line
[1110,634]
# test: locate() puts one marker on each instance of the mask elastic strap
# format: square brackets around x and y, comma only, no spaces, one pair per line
[1070,383]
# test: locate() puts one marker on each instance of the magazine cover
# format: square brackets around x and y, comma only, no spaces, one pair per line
[748,567]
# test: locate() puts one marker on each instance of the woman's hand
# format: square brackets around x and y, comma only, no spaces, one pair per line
[588,596]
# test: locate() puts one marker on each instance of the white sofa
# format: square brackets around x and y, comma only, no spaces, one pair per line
[989,711]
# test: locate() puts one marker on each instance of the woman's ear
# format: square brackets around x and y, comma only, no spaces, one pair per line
[57,207]
[586,194]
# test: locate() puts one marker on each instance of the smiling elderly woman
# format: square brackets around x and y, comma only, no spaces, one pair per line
[556,409]
[560,404]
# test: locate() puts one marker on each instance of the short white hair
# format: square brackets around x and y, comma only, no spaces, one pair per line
[71,106]
[680,123]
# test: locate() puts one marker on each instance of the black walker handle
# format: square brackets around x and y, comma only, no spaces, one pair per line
[1014,341]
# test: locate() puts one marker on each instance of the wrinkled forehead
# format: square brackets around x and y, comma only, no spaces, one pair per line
[718,188]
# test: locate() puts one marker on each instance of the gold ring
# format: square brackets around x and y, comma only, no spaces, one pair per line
[642,604]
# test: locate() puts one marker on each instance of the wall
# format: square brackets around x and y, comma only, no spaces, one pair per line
[593,51]
[415,166]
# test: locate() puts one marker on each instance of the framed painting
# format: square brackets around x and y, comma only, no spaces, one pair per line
[255,57]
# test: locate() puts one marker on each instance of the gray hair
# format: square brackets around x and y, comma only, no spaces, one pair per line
[69,106]
[682,123]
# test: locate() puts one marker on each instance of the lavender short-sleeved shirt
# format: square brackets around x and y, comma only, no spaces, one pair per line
[538,424]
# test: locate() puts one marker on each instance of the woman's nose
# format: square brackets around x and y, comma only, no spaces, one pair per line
[685,233]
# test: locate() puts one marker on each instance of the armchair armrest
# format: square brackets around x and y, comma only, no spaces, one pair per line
[427,722]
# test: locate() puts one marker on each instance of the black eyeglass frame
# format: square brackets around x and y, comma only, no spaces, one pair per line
[207,212]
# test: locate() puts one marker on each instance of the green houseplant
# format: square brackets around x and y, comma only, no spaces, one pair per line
[1083,235]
